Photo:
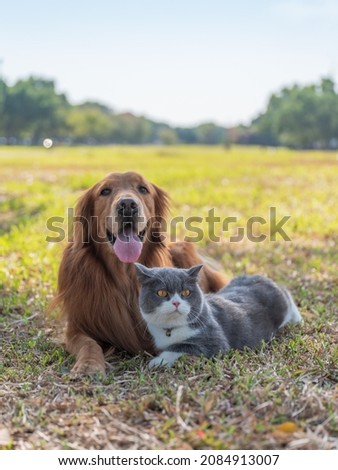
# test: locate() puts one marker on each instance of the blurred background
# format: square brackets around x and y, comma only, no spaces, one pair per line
[169,72]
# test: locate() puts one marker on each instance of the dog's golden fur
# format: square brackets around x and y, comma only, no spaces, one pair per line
[98,293]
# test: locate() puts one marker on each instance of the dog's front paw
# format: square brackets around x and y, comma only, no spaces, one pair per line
[89,367]
[165,359]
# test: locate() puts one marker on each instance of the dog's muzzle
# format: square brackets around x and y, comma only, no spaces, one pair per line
[131,228]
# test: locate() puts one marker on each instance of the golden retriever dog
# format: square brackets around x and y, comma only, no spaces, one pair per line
[118,221]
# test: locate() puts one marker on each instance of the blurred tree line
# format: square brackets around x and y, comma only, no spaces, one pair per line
[298,117]
[32,109]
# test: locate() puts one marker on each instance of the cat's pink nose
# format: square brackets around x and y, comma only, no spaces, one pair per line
[176,304]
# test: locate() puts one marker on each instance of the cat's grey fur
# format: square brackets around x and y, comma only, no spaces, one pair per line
[245,312]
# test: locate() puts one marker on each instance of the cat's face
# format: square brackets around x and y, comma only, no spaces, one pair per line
[169,297]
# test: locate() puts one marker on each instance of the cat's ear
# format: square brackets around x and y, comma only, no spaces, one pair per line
[143,273]
[194,271]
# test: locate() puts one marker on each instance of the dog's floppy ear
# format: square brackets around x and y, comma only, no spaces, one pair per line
[161,203]
[82,221]
[159,223]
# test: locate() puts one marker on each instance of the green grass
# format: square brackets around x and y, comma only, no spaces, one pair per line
[243,400]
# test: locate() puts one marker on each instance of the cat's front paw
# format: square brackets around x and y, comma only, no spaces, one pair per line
[165,359]
[156,362]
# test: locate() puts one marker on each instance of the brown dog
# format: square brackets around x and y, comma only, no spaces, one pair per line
[119,220]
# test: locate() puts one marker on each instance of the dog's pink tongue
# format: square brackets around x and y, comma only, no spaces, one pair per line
[128,247]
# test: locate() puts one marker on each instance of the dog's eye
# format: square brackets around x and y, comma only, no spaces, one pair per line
[162,293]
[185,293]
[143,190]
[105,191]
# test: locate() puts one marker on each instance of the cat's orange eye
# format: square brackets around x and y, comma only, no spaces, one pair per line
[185,293]
[162,293]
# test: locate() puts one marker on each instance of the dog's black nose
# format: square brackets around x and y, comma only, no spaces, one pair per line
[127,207]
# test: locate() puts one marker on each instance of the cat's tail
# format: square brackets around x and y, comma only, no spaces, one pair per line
[292,314]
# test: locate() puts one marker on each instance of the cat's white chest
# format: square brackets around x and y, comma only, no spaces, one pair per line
[166,337]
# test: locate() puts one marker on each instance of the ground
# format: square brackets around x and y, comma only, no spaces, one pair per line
[282,395]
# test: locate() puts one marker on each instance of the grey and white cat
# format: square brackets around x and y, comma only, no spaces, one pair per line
[184,320]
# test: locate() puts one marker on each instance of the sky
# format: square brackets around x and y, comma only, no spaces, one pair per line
[179,61]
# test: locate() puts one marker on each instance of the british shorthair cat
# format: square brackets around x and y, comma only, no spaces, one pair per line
[184,320]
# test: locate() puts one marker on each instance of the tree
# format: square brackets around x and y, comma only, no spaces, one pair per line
[90,123]
[3,93]
[209,134]
[328,113]
[34,110]
[187,135]
[300,117]
[130,129]
[167,136]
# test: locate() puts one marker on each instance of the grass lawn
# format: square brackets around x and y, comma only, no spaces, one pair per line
[283,395]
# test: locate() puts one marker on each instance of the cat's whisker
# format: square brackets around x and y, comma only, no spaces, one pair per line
[140,323]
[145,330]
[197,318]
